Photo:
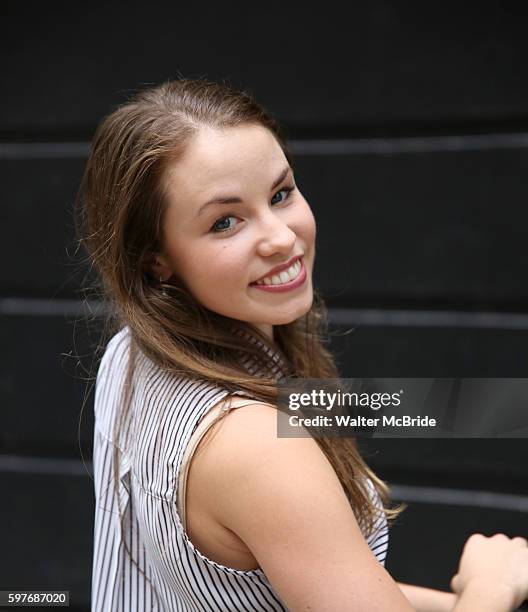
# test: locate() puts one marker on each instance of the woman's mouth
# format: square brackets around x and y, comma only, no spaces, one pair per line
[286,280]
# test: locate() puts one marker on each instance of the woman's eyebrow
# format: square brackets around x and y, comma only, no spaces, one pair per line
[220,199]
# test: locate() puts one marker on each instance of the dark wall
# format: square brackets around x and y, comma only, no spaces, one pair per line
[409,126]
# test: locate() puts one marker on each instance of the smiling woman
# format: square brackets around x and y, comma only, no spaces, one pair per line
[271,227]
[205,249]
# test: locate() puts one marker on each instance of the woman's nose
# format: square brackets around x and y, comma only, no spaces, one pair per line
[275,236]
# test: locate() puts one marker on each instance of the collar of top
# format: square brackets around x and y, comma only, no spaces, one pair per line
[271,363]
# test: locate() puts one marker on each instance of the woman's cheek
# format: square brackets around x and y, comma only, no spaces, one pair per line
[309,226]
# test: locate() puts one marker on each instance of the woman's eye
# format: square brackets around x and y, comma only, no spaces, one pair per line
[220,225]
[223,225]
[287,191]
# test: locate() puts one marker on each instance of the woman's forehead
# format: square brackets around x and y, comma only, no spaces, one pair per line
[225,161]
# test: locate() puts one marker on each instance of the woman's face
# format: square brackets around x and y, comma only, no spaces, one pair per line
[218,250]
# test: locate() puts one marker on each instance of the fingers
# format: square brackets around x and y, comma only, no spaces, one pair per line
[497,559]
[498,537]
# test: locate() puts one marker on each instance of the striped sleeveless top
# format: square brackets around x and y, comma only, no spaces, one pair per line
[163,571]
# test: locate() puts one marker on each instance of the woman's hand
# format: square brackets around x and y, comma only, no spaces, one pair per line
[494,561]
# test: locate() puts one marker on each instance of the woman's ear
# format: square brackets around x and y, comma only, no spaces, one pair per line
[159,267]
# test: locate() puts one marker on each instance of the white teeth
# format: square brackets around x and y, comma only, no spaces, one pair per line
[294,270]
[283,277]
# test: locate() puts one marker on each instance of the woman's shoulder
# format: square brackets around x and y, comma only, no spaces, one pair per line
[244,446]
[250,428]
[147,374]
[110,377]
[117,345]
[271,492]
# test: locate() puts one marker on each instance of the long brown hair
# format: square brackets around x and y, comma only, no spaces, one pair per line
[119,214]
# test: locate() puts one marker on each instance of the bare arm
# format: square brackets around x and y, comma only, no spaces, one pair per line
[282,498]
[423,599]
[479,595]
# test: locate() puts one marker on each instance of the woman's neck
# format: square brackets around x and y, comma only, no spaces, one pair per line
[266,329]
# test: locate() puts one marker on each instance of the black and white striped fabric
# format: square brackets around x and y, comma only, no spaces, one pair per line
[164,571]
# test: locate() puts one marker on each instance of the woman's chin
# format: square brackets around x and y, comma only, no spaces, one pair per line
[283,318]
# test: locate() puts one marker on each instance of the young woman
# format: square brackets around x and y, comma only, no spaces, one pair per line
[205,249]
